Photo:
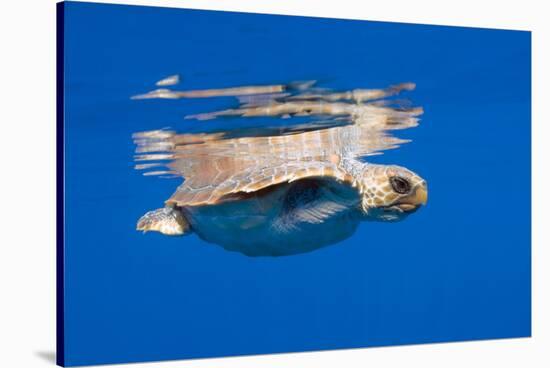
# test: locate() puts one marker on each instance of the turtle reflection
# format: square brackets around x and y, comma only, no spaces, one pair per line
[283,191]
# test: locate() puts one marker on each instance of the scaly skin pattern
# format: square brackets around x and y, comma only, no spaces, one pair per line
[377,192]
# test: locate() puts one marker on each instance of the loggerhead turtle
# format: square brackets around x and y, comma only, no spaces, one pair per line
[283,194]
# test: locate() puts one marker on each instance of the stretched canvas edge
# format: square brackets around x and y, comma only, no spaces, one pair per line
[60,185]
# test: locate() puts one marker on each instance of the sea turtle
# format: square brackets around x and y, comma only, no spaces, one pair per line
[284,191]
[279,195]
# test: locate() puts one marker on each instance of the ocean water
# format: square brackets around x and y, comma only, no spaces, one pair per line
[458,269]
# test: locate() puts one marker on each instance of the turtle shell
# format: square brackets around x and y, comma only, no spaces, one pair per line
[219,170]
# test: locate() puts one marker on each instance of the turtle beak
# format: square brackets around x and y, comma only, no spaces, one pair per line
[418,198]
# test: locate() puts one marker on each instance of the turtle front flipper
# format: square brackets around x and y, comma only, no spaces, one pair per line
[167,220]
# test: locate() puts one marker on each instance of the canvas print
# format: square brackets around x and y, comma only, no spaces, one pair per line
[234,184]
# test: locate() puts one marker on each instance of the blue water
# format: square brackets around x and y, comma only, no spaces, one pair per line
[458,269]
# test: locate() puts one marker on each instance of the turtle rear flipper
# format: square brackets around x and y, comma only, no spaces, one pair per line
[168,221]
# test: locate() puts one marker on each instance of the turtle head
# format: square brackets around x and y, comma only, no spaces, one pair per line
[390,192]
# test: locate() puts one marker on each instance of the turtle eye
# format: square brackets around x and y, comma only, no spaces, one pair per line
[400,185]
